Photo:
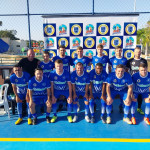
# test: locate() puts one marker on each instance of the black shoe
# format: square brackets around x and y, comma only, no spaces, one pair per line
[94,107]
[112,109]
[60,107]
[92,119]
[48,120]
[42,110]
[34,121]
[121,109]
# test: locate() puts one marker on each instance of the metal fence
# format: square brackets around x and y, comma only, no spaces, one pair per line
[23,17]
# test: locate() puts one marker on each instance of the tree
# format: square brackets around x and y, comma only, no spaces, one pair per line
[5,33]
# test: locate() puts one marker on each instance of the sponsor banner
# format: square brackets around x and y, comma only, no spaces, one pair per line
[128,53]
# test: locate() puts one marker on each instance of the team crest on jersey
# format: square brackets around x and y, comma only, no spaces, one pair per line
[95,76]
[76,42]
[63,77]
[44,84]
[129,41]
[116,28]
[34,84]
[50,42]
[122,61]
[130,29]
[103,41]
[76,78]
[123,81]
[138,80]
[62,29]
[24,80]
[114,80]
[133,63]
[76,61]
[16,80]
[96,59]
[84,79]
[65,60]
[115,61]
[49,30]
[89,29]
[83,60]
[148,80]
[42,66]
[55,78]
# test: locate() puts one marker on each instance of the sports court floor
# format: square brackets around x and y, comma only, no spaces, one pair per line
[81,135]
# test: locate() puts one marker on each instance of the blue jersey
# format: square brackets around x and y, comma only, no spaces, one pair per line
[104,60]
[84,60]
[60,82]
[39,88]
[80,81]
[97,80]
[20,82]
[119,84]
[47,67]
[117,61]
[141,84]
[67,61]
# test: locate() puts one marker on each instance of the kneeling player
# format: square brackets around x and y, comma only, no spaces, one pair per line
[39,93]
[119,83]
[19,81]
[60,85]
[141,84]
[80,81]
[98,88]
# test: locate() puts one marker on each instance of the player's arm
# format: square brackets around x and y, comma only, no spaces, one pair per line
[48,102]
[103,96]
[109,99]
[109,68]
[86,91]
[129,94]
[31,103]
[16,94]
[52,91]
[90,89]
[74,91]
[70,90]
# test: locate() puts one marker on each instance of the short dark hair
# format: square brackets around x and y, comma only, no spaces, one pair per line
[143,65]
[100,46]
[46,52]
[59,61]
[62,46]
[79,48]
[38,69]
[118,47]
[79,64]
[17,65]
[120,66]
[99,65]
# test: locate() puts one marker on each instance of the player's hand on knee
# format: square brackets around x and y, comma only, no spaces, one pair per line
[48,103]
[31,104]
[103,97]
[86,96]
[54,99]
[127,101]
[18,100]
[109,100]
[69,100]
[91,97]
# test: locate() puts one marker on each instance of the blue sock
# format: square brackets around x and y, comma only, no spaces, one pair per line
[147,109]
[126,111]
[86,110]
[133,108]
[108,110]
[34,115]
[69,108]
[19,109]
[54,107]
[103,107]
[75,107]
[121,103]
[28,109]
[91,106]
[47,114]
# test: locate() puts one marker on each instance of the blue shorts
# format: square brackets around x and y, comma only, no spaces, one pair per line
[39,99]
[22,96]
[123,94]
[80,94]
[97,95]
[144,95]
[58,93]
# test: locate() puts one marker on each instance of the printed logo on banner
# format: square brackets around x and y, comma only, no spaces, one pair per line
[130,28]
[76,42]
[129,41]
[76,29]
[103,41]
[128,53]
[52,53]
[116,28]
[63,41]
[73,53]
[103,29]
[89,29]
[116,41]
[105,52]
[89,42]
[49,43]
[49,30]
[89,53]
[62,29]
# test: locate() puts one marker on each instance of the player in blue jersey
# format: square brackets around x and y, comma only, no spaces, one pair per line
[46,65]
[82,59]
[67,60]
[119,83]
[39,93]
[100,58]
[98,88]
[19,81]
[61,86]
[80,82]
[141,85]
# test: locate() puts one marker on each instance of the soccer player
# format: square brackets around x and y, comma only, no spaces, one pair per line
[100,58]
[119,83]
[98,88]
[39,93]
[82,59]
[60,85]
[133,66]
[67,60]
[19,81]
[80,82]
[141,84]
[46,65]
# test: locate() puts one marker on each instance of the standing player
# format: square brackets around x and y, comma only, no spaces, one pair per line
[82,59]
[46,65]
[60,85]
[98,88]
[80,82]
[39,93]
[141,84]
[100,58]
[19,81]
[133,66]
[119,83]
[67,60]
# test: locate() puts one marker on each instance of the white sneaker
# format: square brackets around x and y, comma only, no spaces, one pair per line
[87,119]
[75,118]
[108,120]
[78,107]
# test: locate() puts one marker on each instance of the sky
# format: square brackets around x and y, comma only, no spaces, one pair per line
[20,23]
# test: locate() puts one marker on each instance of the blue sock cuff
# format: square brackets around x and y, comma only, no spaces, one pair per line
[147,104]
